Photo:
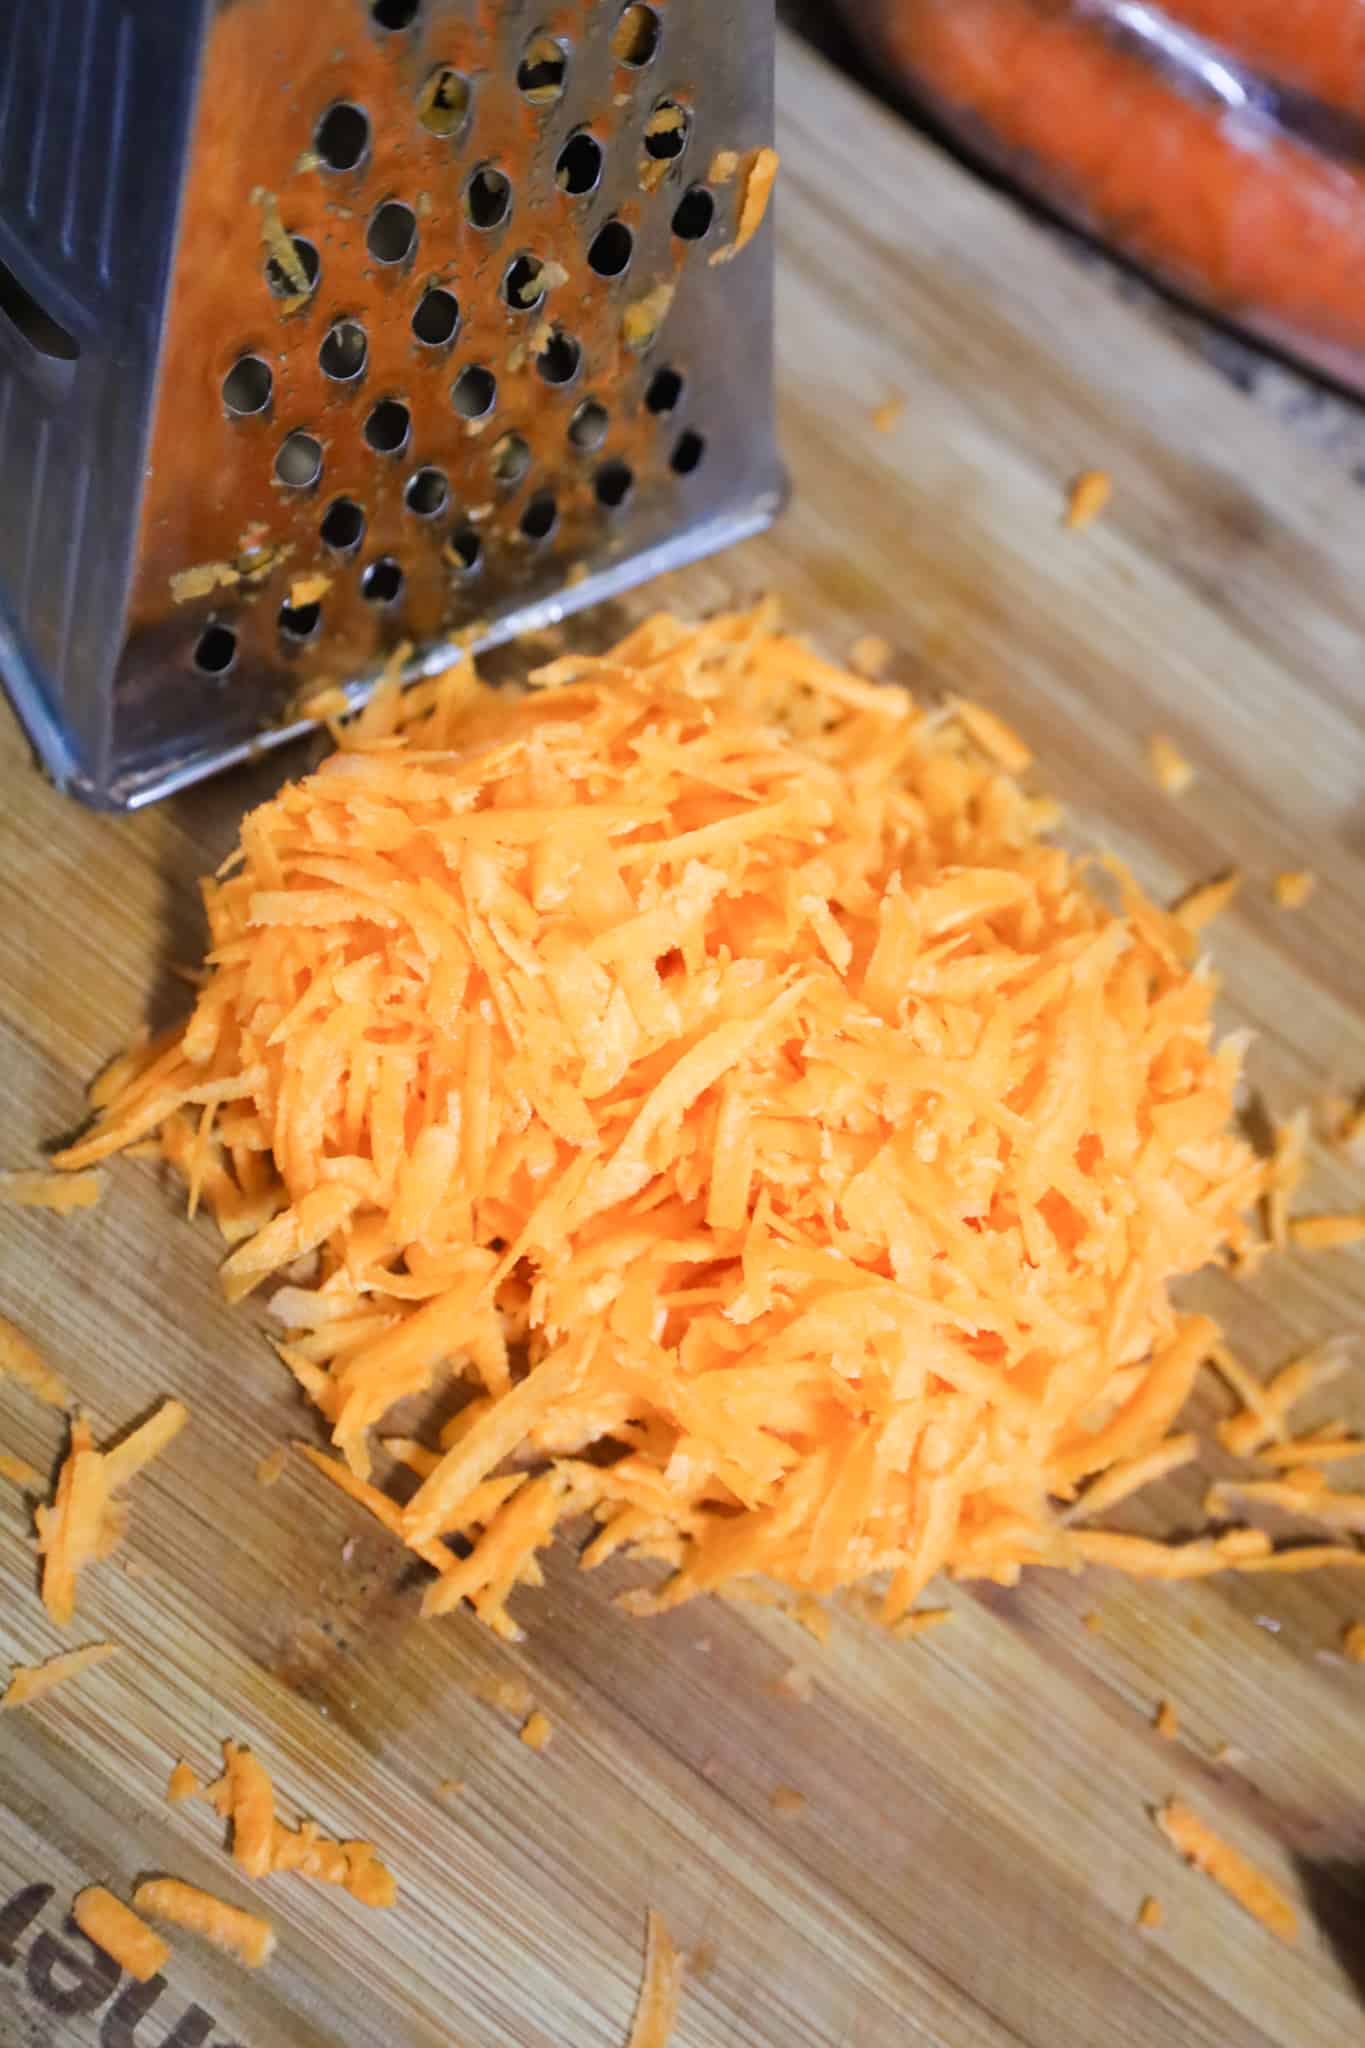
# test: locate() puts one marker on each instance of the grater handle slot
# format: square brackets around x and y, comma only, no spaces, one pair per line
[33,337]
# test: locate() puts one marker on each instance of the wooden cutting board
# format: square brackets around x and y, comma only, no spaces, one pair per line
[976,1834]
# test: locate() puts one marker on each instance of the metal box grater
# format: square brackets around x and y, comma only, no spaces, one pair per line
[330,325]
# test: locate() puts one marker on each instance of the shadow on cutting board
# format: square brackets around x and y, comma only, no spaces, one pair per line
[1335,1892]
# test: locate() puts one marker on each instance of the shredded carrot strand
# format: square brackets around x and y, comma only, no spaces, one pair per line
[115,1928]
[1240,1879]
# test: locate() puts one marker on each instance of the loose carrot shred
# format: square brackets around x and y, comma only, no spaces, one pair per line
[1326,1233]
[723,1028]
[115,1928]
[656,2012]
[245,1935]
[786,1799]
[1087,496]
[886,417]
[29,1682]
[24,1362]
[18,1470]
[1353,1642]
[252,1810]
[271,1466]
[1207,1851]
[144,1443]
[1150,1913]
[1200,905]
[1293,887]
[1170,770]
[81,1523]
[922,1621]
[1166,1721]
[61,1192]
[537,1730]
[757,174]
[182,1784]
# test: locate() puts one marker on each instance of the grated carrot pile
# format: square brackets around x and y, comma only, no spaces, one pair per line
[705,1062]
[82,1522]
[1207,1851]
[656,2012]
[115,1928]
[245,1935]
[30,1681]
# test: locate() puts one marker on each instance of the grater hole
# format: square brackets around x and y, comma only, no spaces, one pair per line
[474,392]
[541,72]
[693,215]
[394,15]
[388,427]
[523,286]
[488,197]
[427,494]
[443,103]
[437,318]
[666,131]
[611,249]
[588,427]
[463,550]
[215,650]
[392,234]
[247,386]
[688,451]
[635,39]
[578,166]
[309,262]
[540,518]
[511,459]
[342,137]
[558,361]
[344,352]
[664,392]
[299,622]
[299,462]
[613,484]
[382,582]
[343,526]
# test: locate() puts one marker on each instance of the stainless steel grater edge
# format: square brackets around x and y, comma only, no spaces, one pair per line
[331,327]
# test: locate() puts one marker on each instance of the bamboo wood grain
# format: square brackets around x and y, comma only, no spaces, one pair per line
[976,1836]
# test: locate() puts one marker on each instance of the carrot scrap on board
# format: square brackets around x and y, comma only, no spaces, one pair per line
[871,656]
[1323,1447]
[786,1799]
[18,1470]
[61,1192]
[28,1682]
[1166,1721]
[1086,497]
[1266,1407]
[272,1465]
[1292,887]
[82,1523]
[1207,1851]
[722,1029]
[887,415]
[537,1730]
[1201,904]
[23,1361]
[922,1622]
[245,1935]
[1314,1500]
[251,1809]
[1353,1642]
[182,1784]
[116,1928]
[1149,1913]
[656,2011]
[1170,770]
[1326,1233]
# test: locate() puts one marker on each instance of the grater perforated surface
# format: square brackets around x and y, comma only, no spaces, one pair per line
[448,344]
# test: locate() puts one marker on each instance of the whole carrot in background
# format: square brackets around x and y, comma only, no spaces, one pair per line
[1316,45]
[1221,204]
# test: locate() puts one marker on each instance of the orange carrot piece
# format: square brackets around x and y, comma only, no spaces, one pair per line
[656,2012]
[245,1935]
[29,1682]
[116,1928]
[1240,1879]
